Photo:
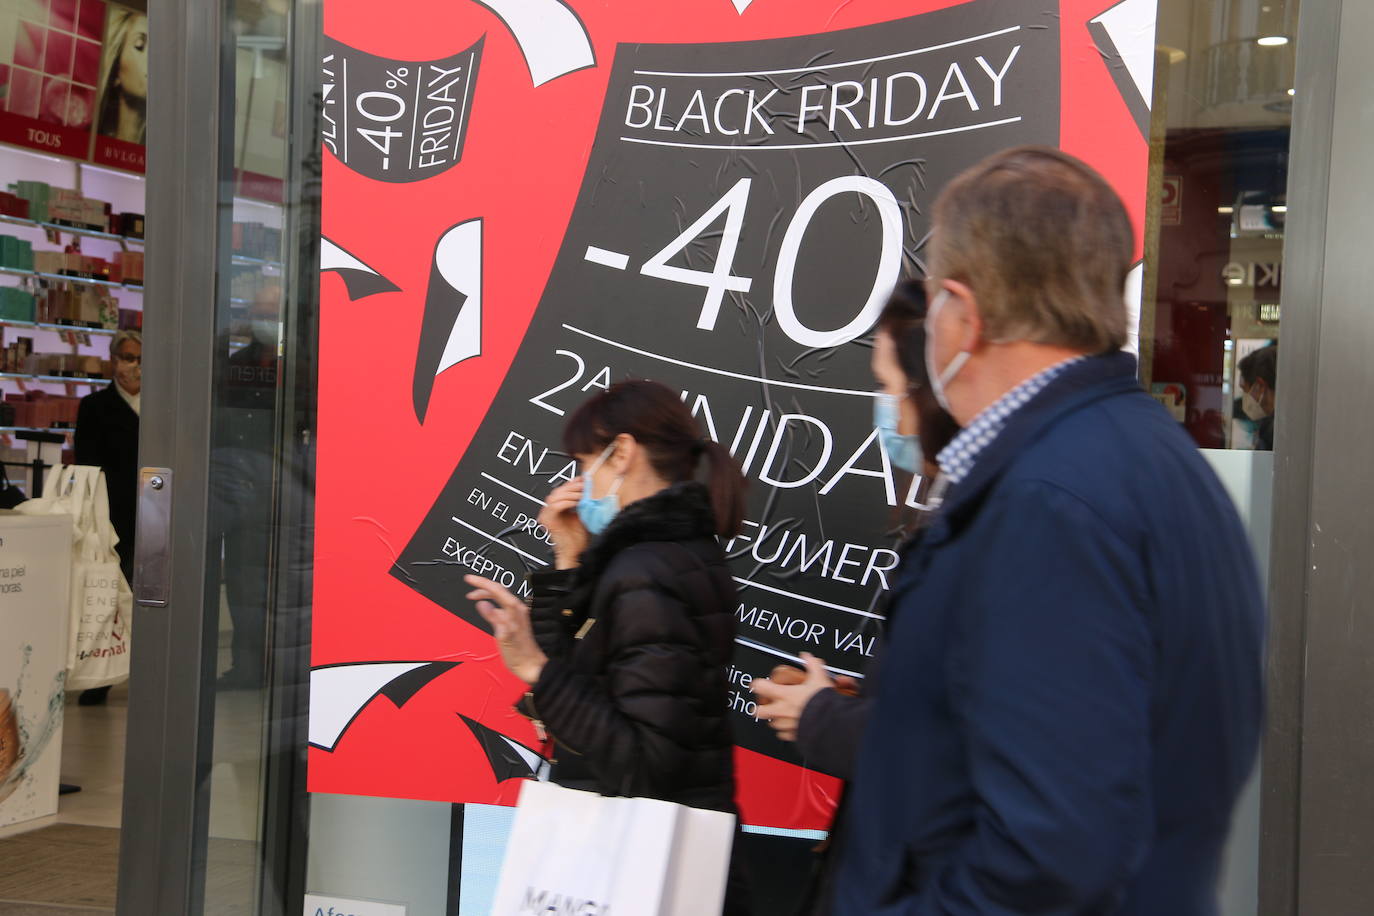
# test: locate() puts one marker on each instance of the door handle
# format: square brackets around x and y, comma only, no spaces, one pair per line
[153,542]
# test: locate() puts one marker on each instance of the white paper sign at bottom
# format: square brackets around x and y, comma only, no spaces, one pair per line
[320,905]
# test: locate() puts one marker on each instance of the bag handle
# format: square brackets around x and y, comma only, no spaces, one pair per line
[59,481]
[108,536]
[79,486]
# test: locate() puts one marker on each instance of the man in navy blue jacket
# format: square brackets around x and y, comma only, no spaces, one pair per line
[1071,694]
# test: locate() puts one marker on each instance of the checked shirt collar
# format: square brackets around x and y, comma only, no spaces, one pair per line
[957,459]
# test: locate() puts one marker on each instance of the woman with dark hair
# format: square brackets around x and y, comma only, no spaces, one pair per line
[626,644]
[914,427]
[824,716]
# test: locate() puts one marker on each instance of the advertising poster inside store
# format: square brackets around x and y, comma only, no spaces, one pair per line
[35,572]
[528,200]
[74,79]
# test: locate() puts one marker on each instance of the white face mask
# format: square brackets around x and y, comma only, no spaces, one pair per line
[265,330]
[1252,407]
[938,379]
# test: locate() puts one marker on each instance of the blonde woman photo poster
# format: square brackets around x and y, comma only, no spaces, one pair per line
[122,115]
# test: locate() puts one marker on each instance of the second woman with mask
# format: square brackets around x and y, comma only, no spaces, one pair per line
[826,717]
[626,645]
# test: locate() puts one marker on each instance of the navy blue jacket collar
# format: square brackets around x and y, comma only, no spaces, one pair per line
[1082,383]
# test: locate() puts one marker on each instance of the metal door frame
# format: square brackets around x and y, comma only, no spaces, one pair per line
[162,866]
[172,687]
[1318,809]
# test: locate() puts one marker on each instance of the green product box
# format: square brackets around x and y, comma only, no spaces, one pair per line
[15,253]
[37,193]
[16,304]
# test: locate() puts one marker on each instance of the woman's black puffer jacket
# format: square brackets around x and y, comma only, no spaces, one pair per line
[639,637]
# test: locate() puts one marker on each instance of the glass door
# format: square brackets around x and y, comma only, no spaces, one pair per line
[217,740]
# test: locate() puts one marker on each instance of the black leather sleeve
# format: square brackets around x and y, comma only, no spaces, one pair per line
[632,723]
[550,594]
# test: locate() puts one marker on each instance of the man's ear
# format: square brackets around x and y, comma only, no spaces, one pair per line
[968,314]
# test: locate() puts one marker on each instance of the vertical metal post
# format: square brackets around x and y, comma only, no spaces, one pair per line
[1335,815]
[167,760]
[286,820]
[1318,810]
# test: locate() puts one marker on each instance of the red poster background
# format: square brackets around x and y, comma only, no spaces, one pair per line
[379,469]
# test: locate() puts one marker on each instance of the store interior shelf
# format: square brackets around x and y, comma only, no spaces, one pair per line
[48,326]
[36,429]
[59,379]
[16,272]
[124,240]
[245,261]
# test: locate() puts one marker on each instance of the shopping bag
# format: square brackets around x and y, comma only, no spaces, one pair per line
[101,605]
[593,855]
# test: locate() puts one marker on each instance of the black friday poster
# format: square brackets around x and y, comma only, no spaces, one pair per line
[738,213]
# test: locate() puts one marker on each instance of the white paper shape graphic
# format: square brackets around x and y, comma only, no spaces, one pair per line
[338,693]
[549,34]
[1131,26]
[741,5]
[332,257]
[538,765]
[459,259]
[360,279]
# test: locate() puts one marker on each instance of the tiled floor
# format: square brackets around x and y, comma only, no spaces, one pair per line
[93,758]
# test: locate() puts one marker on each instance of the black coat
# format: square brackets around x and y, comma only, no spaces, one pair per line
[107,438]
[639,638]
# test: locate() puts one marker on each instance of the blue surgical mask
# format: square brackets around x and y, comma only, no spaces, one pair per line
[596,514]
[903,450]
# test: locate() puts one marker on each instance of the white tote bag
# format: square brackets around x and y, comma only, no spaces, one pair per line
[101,601]
[579,852]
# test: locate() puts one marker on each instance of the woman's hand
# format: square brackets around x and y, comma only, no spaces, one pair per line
[510,622]
[783,696]
[559,516]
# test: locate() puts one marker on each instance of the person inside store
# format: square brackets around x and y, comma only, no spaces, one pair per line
[825,716]
[1259,374]
[1072,684]
[626,644]
[107,438]
[242,476]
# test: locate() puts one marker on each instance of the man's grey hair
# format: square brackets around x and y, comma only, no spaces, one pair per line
[123,337]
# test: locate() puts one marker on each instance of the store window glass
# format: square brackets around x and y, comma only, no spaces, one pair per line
[1220,129]
[1225,94]
[249,460]
[1210,319]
